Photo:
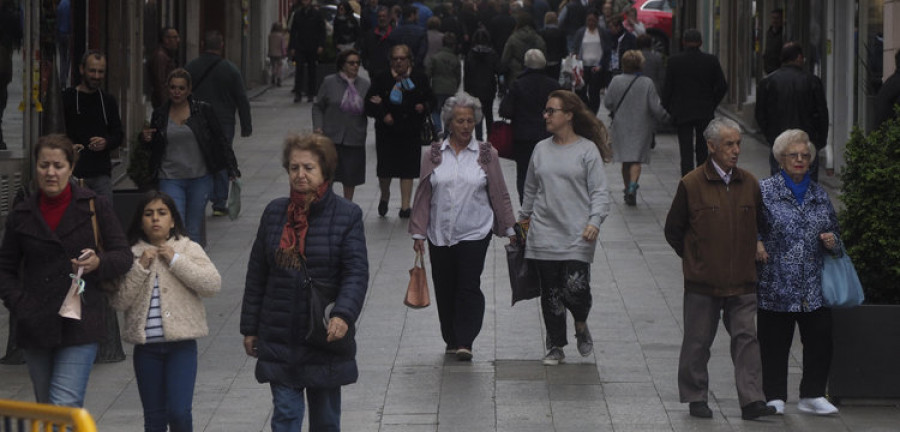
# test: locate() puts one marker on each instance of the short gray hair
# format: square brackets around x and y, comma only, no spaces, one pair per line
[713,132]
[534,59]
[792,136]
[461,100]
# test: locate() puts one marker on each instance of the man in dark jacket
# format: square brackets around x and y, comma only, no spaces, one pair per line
[557,49]
[695,84]
[888,96]
[409,33]
[376,49]
[774,41]
[92,120]
[791,98]
[219,82]
[524,105]
[618,42]
[718,249]
[161,63]
[307,43]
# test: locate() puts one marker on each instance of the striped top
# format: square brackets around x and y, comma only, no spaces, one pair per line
[154,328]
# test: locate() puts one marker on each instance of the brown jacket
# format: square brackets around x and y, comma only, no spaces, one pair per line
[497,192]
[713,228]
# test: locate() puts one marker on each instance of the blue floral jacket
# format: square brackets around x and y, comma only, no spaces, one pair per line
[791,280]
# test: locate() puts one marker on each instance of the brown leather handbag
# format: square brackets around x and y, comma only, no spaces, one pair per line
[417,292]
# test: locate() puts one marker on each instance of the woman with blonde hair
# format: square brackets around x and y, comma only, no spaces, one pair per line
[566,200]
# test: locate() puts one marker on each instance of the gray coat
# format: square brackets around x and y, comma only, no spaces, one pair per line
[636,119]
[343,128]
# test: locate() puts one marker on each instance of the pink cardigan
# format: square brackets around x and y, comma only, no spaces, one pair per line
[497,192]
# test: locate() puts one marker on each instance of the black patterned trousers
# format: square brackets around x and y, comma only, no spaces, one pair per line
[565,285]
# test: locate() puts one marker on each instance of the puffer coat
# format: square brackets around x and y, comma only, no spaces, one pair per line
[275,301]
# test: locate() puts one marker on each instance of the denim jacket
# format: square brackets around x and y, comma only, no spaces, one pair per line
[791,280]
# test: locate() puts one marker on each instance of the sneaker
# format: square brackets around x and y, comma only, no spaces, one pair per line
[463,354]
[585,342]
[554,356]
[778,404]
[450,350]
[818,405]
[220,212]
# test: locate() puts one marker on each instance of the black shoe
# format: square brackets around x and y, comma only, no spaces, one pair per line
[382,208]
[404,214]
[2,145]
[701,409]
[754,410]
[630,199]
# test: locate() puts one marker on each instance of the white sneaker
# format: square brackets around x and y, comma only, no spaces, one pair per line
[818,405]
[778,404]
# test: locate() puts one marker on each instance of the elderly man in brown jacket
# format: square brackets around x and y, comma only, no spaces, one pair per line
[712,226]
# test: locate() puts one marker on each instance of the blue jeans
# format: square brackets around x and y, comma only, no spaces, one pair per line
[60,375]
[190,197]
[324,409]
[166,373]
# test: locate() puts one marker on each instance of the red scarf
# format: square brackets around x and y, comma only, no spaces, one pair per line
[293,237]
[52,208]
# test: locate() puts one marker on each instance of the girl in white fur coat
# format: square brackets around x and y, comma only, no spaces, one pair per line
[164,313]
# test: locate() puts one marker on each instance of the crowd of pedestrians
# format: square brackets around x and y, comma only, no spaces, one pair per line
[740,239]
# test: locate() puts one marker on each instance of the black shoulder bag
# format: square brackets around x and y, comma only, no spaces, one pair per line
[320,301]
[612,113]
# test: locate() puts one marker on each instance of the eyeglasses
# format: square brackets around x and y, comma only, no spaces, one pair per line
[799,156]
[549,111]
[352,63]
[398,59]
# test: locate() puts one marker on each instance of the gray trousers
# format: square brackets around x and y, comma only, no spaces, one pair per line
[701,320]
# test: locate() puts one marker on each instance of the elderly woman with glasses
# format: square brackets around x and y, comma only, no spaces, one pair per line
[461,199]
[799,226]
[399,100]
[566,200]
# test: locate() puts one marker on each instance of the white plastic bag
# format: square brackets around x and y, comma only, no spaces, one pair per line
[572,73]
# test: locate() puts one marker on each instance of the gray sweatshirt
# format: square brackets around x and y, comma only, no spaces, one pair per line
[565,190]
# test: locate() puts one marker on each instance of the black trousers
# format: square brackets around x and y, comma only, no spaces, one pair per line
[565,285]
[308,59]
[775,331]
[593,83]
[456,273]
[487,109]
[691,143]
[523,150]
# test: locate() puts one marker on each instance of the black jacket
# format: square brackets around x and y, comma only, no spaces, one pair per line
[888,96]
[307,30]
[556,44]
[275,304]
[481,69]
[524,104]
[35,268]
[90,115]
[217,154]
[791,98]
[695,84]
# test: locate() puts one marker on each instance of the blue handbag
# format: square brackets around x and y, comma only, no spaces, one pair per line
[840,284]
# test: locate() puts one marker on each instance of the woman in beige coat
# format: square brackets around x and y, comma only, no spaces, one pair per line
[164,314]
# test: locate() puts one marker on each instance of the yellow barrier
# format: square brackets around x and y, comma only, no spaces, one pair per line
[42,417]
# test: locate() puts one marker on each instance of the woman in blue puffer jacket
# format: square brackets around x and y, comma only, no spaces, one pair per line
[313,229]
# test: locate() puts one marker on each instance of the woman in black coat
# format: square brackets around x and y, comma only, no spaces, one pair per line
[52,238]
[312,230]
[400,99]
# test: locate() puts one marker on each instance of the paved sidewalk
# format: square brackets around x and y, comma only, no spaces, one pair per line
[407,384]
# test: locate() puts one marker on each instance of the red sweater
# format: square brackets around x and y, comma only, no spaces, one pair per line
[52,208]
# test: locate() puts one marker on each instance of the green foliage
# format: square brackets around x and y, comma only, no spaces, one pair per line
[870,222]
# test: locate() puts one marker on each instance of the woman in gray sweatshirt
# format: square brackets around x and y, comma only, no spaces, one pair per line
[566,200]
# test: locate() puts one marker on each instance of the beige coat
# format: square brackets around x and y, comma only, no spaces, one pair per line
[181,285]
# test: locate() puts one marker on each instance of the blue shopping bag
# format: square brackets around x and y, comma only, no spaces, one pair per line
[840,283]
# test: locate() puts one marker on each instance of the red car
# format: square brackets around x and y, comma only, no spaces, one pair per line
[657,18]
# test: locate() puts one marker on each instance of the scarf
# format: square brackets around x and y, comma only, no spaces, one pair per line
[52,208]
[292,246]
[798,189]
[351,103]
[403,83]
[383,36]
